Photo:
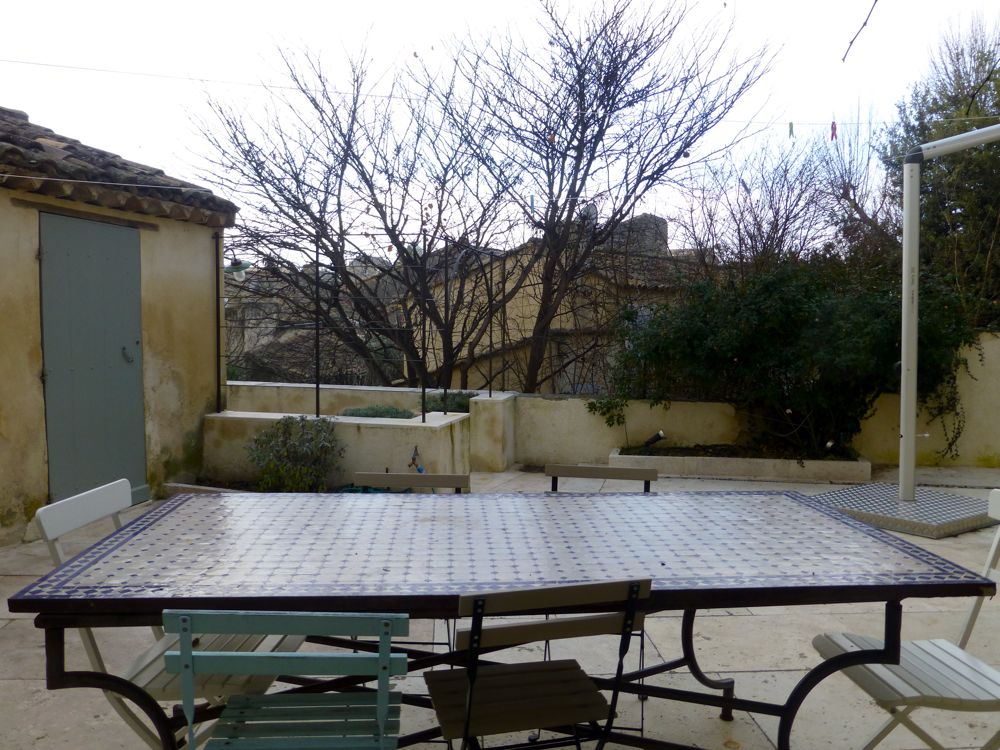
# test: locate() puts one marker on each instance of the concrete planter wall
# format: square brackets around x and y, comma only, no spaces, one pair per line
[768,469]
[369,444]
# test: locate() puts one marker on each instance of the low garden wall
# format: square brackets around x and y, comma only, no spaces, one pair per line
[369,444]
[530,429]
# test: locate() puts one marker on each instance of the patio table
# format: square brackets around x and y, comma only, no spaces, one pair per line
[416,553]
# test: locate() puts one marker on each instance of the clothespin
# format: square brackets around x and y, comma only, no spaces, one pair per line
[791,130]
[833,130]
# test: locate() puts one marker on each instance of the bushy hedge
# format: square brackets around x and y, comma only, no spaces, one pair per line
[802,351]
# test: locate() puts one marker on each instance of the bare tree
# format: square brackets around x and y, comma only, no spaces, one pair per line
[864,207]
[375,211]
[751,213]
[359,207]
[577,133]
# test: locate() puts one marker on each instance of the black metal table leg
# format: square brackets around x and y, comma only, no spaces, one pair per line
[57,678]
[889,654]
[726,685]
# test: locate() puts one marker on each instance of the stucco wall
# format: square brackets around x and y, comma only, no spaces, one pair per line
[493,441]
[23,468]
[979,445]
[178,328]
[559,429]
[179,298]
[295,398]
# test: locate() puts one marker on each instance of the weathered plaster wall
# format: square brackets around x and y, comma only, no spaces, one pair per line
[23,468]
[492,443]
[179,300]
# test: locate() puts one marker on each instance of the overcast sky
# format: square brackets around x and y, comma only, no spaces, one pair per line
[131,77]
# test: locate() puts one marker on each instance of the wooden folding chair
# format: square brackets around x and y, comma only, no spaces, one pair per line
[484,699]
[931,673]
[291,721]
[57,520]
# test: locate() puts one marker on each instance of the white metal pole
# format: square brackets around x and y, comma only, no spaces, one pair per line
[911,271]
[908,372]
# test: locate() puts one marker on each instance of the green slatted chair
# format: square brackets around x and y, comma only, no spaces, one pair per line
[485,699]
[293,721]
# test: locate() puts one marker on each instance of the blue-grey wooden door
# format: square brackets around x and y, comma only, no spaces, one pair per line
[92,349]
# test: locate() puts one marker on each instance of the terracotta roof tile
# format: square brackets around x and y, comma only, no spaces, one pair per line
[81,173]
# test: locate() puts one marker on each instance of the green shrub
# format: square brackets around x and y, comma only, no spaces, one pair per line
[296,454]
[378,411]
[458,401]
[802,350]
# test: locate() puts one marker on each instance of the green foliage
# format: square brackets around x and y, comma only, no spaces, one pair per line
[236,372]
[802,350]
[612,408]
[382,411]
[296,454]
[458,401]
[959,210]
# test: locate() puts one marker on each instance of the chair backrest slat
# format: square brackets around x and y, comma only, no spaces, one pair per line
[69,514]
[287,623]
[553,629]
[588,595]
[252,663]
[75,512]
[991,569]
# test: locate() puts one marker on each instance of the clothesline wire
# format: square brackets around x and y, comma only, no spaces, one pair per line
[269,86]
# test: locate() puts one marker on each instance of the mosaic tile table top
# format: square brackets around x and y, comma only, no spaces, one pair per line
[418,552]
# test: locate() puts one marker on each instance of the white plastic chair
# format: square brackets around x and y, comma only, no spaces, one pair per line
[931,673]
[147,670]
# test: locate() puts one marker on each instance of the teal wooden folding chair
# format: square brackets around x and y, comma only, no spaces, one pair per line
[293,721]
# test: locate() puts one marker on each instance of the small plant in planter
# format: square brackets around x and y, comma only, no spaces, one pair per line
[458,401]
[296,454]
[379,411]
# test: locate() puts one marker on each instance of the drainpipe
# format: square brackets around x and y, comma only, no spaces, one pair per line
[217,238]
[911,271]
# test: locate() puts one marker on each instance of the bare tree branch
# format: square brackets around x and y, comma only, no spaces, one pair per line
[854,38]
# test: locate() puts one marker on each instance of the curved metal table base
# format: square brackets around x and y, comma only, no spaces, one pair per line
[57,678]
[786,712]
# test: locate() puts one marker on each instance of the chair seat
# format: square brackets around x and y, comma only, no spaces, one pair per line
[148,670]
[514,697]
[932,673]
[305,721]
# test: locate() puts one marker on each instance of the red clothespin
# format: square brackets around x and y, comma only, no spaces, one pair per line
[833,130]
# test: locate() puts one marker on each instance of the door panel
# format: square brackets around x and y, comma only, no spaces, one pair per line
[92,346]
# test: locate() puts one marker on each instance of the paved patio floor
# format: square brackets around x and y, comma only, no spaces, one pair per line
[766,650]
